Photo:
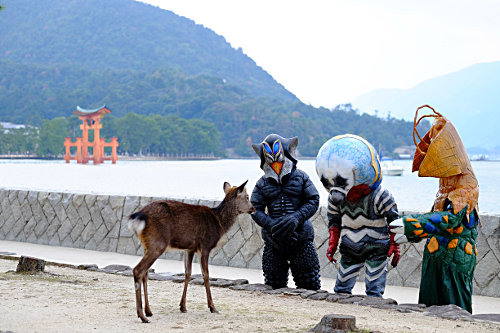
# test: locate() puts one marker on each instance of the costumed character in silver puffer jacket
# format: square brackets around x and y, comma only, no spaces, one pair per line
[290,198]
[359,212]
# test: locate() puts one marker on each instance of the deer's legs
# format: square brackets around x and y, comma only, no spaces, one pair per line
[188,263]
[140,276]
[147,309]
[206,280]
[138,298]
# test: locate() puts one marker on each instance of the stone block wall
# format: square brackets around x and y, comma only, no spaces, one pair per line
[99,222]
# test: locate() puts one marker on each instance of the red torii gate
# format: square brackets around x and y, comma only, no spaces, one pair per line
[90,121]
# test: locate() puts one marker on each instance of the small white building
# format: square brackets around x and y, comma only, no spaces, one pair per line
[7,126]
[405,152]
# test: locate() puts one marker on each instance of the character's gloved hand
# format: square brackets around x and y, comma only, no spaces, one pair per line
[394,249]
[270,223]
[285,226]
[333,242]
[397,227]
[294,238]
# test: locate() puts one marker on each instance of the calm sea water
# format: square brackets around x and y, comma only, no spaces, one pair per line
[204,179]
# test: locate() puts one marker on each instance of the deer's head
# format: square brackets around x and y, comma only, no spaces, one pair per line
[238,197]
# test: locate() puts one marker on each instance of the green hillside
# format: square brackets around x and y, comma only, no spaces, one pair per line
[32,93]
[124,34]
[136,58]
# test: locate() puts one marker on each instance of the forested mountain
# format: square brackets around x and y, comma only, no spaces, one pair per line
[38,92]
[132,57]
[124,34]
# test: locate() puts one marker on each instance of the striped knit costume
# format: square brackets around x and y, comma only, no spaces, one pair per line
[364,238]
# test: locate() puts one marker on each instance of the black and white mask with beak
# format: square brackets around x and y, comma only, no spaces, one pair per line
[277,156]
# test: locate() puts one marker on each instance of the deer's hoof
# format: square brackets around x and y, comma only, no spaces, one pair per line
[149,313]
[214,311]
[140,314]
[183,309]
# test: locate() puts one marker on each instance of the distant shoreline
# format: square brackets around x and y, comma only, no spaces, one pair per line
[27,157]
[177,158]
[122,158]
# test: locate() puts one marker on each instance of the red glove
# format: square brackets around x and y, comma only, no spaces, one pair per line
[333,242]
[394,249]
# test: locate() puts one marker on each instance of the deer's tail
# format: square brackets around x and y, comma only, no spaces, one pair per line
[137,222]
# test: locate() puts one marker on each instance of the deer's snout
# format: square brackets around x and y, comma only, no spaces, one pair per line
[251,209]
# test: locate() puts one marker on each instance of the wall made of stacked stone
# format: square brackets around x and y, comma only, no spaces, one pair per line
[99,222]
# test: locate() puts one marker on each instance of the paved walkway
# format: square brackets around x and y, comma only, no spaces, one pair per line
[73,256]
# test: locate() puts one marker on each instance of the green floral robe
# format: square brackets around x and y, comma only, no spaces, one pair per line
[449,256]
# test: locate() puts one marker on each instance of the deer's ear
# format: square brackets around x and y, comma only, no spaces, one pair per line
[242,187]
[226,187]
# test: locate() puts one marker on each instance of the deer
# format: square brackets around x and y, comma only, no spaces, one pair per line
[169,224]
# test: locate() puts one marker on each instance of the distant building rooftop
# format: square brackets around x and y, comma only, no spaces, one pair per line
[404,152]
[8,125]
[87,112]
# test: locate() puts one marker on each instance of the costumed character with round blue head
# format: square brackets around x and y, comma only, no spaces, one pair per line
[359,212]
[285,198]
[450,253]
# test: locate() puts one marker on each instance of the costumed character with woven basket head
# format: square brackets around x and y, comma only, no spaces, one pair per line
[450,229]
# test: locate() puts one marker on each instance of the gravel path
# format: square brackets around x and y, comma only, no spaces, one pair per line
[70,300]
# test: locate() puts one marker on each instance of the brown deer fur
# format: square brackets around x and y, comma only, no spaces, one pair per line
[169,224]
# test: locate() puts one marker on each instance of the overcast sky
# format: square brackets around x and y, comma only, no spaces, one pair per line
[329,52]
